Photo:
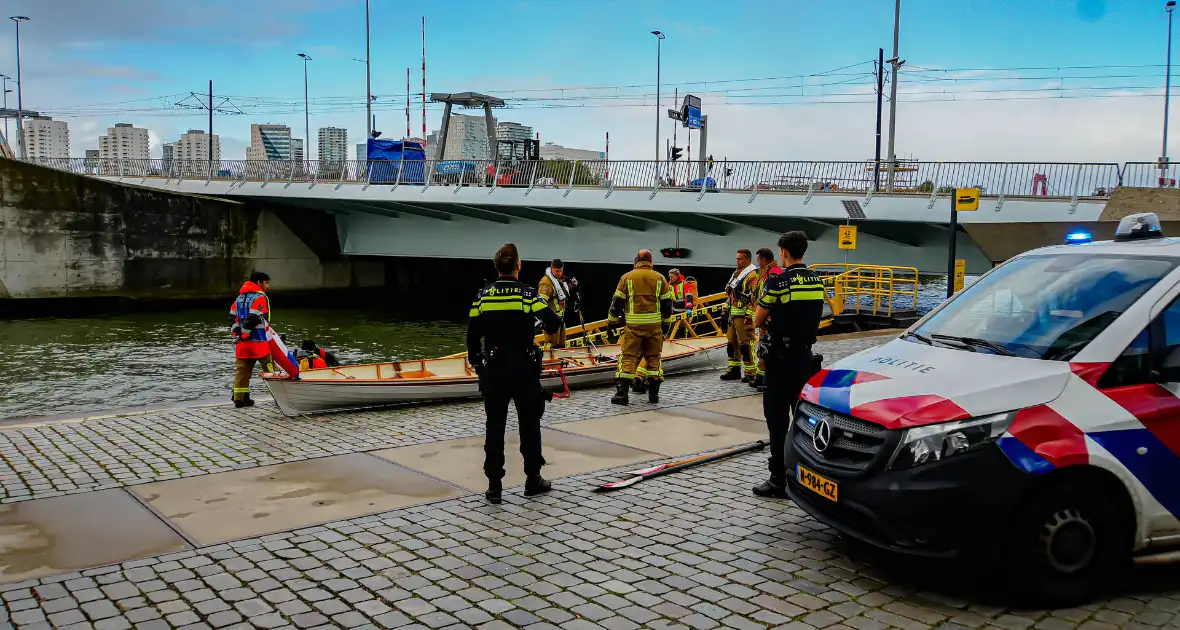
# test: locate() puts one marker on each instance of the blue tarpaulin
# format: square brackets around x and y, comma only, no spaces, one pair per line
[387,157]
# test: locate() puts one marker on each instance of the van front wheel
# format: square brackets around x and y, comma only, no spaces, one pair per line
[1067,546]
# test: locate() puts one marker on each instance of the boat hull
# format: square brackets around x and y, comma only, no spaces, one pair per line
[297,397]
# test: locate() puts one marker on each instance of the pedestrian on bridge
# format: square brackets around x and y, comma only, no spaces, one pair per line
[642,304]
[501,350]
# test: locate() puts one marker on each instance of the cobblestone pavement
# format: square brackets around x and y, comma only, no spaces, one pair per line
[691,550]
[67,458]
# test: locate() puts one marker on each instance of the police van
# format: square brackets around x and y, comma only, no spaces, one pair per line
[1035,417]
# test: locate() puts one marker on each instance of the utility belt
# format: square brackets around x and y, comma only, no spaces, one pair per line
[534,354]
[777,347]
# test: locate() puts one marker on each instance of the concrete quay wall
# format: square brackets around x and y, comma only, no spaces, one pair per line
[69,236]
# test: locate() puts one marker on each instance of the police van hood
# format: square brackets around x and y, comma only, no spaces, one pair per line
[907,384]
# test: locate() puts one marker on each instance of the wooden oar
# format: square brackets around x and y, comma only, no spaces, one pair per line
[671,467]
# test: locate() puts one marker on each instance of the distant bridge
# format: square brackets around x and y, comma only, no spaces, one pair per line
[603,211]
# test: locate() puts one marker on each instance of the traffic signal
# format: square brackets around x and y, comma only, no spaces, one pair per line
[674,252]
[676,153]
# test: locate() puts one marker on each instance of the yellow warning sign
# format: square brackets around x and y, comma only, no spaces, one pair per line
[847,237]
[960,274]
[966,199]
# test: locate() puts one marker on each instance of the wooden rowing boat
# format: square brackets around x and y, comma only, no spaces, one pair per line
[451,378]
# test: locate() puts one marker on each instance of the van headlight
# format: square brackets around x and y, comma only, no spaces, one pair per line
[923,445]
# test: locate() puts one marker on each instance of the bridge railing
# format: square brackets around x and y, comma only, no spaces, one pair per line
[935,179]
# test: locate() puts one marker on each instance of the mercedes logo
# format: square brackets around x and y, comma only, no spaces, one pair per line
[822,438]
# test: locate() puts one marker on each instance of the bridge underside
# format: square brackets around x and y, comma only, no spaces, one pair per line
[473,230]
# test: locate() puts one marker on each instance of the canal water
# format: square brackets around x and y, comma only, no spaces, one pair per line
[77,365]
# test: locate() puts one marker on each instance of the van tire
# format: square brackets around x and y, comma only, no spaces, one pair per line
[1069,543]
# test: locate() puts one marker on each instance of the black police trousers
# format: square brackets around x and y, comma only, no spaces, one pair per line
[513,380]
[784,381]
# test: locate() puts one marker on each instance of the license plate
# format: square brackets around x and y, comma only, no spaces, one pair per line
[818,484]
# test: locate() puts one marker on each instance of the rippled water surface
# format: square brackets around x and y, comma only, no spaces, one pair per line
[93,363]
[85,364]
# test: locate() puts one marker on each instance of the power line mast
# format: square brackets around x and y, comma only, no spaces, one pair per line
[205,102]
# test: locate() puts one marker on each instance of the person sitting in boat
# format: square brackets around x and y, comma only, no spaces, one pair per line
[312,356]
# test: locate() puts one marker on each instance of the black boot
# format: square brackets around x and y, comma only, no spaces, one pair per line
[748,378]
[653,391]
[757,382]
[536,484]
[771,489]
[621,392]
[733,374]
[639,386]
[493,493]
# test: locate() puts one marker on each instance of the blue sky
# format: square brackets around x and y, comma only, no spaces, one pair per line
[97,65]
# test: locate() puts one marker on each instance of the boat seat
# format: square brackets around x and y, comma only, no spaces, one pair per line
[416,374]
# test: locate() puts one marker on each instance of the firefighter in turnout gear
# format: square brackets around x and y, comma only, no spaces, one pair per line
[767,267]
[789,308]
[508,363]
[558,291]
[643,305]
[740,298]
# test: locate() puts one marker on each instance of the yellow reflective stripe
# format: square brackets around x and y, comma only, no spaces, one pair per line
[813,294]
[620,294]
[643,318]
[767,301]
[539,306]
[474,312]
[501,298]
[630,297]
[502,306]
[241,390]
[668,296]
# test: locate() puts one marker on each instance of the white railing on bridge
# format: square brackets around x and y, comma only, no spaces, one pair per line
[1029,179]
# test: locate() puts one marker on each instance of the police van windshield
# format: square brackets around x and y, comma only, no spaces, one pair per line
[1042,307]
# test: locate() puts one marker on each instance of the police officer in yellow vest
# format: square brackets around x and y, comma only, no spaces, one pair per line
[740,296]
[556,289]
[643,304]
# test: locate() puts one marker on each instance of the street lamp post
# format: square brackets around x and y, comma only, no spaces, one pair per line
[20,109]
[368,81]
[659,52]
[306,118]
[4,79]
[896,63]
[1169,7]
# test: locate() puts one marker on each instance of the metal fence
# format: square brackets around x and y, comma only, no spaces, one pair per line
[1028,179]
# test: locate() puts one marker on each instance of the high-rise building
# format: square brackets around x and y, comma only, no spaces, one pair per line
[515,132]
[297,149]
[550,151]
[333,144]
[124,142]
[467,138]
[168,152]
[91,161]
[46,138]
[270,142]
[194,145]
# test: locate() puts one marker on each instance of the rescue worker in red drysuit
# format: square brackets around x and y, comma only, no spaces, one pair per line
[248,318]
[310,356]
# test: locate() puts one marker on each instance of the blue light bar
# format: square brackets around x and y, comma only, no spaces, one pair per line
[1077,238]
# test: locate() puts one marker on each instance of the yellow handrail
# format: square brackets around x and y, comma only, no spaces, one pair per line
[886,286]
